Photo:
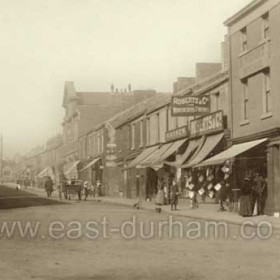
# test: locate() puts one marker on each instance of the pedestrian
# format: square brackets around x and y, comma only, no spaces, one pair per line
[99,188]
[86,190]
[192,188]
[160,195]
[259,193]
[49,186]
[263,196]
[225,186]
[174,195]
[245,198]
[60,190]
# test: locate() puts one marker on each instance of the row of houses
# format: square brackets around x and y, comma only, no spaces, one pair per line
[129,139]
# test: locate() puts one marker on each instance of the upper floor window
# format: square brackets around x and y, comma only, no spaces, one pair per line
[89,145]
[102,142]
[98,144]
[244,44]
[141,134]
[157,128]
[216,101]
[148,131]
[265,32]
[245,99]
[132,145]
[267,102]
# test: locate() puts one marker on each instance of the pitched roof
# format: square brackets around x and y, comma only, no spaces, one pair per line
[140,108]
[93,98]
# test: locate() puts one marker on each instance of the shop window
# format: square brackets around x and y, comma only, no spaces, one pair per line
[245,99]
[265,31]
[244,44]
[267,103]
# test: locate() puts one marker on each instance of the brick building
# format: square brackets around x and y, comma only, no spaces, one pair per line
[83,112]
[254,37]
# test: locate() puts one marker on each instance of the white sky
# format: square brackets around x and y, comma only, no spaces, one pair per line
[148,43]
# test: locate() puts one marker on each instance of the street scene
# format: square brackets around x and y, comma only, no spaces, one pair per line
[140,139]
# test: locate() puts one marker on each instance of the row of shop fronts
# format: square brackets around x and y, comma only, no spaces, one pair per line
[234,119]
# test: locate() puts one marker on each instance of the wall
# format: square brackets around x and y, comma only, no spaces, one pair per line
[256,121]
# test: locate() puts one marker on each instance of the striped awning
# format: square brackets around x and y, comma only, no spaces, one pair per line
[91,164]
[72,171]
[192,146]
[232,152]
[209,145]
[141,157]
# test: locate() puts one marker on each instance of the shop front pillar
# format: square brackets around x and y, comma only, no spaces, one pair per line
[273,181]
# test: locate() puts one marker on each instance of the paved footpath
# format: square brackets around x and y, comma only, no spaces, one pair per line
[207,211]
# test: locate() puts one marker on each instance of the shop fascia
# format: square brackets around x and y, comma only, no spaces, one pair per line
[208,124]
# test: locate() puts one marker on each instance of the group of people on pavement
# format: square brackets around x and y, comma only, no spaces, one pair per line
[216,183]
[253,194]
[162,197]
[83,188]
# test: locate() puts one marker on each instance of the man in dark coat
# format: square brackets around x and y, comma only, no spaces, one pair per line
[49,186]
[174,195]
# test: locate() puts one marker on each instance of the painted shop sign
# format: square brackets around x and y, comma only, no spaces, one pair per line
[204,125]
[111,157]
[177,133]
[254,61]
[190,106]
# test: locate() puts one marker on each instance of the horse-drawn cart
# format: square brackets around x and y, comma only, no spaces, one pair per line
[74,187]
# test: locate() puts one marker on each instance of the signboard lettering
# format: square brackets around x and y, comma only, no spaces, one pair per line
[190,105]
[206,124]
[178,133]
[254,61]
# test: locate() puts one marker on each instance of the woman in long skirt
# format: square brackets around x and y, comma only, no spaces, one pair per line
[245,198]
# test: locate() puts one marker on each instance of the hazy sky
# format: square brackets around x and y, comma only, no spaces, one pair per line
[147,43]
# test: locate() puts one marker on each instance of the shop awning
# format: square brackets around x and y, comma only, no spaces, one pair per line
[193,144]
[46,172]
[72,170]
[232,152]
[146,153]
[173,148]
[91,164]
[209,145]
[154,157]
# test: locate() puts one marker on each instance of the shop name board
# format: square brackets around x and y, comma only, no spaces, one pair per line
[111,155]
[254,61]
[177,133]
[190,106]
[210,123]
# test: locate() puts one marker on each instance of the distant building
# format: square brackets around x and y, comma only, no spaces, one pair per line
[86,110]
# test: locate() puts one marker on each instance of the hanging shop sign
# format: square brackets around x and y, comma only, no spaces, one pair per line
[207,124]
[178,133]
[111,151]
[190,106]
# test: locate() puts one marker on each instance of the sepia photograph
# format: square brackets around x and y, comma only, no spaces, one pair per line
[139,139]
